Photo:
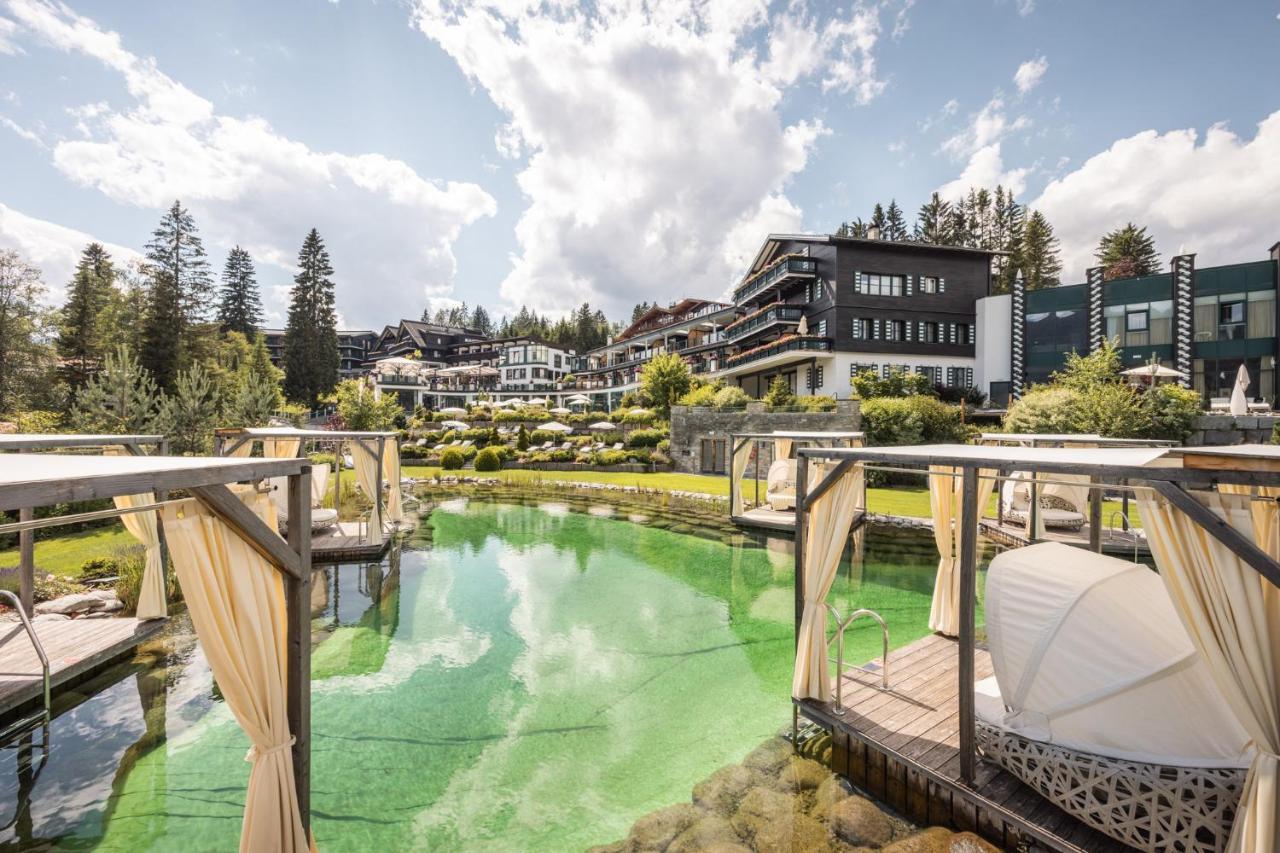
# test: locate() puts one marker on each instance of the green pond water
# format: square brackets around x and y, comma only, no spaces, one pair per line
[529,679]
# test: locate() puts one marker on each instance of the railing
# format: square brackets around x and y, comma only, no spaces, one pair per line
[783,345]
[776,314]
[26,722]
[841,625]
[1127,528]
[787,265]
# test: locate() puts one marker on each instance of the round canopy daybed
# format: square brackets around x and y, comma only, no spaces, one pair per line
[1102,704]
[1061,507]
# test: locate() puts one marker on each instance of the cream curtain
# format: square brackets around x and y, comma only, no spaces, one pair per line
[782,448]
[1265,515]
[245,449]
[391,476]
[281,448]
[144,527]
[741,457]
[945,501]
[1233,617]
[825,534]
[236,600]
[319,483]
[367,479]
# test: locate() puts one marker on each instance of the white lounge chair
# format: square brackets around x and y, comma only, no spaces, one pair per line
[1057,510]
[618,446]
[1101,703]
[780,485]
[1219,404]
[321,517]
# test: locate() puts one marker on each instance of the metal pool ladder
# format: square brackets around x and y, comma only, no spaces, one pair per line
[841,625]
[41,717]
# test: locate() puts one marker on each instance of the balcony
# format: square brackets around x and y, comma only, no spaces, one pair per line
[795,267]
[791,343]
[762,319]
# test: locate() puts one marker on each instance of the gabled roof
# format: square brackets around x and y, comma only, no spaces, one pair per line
[768,250]
[665,316]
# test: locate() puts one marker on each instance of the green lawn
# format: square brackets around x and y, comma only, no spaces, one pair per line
[63,555]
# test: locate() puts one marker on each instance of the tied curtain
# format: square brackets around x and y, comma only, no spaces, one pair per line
[1232,615]
[319,483]
[782,448]
[391,475]
[145,527]
[281,448]
[825,534]
[945,500]
[367,478]
[237,604]
[741,457]
[1265,515]
[243,450]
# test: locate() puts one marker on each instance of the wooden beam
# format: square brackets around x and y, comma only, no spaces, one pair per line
[228,449]
[222,503]
[1095,515]
[27,563]
[298,641]
[827,482]
[802,486]
[968,531]
[1219,529]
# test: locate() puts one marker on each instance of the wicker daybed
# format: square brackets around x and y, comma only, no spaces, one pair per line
[1105,708]
[1056,509]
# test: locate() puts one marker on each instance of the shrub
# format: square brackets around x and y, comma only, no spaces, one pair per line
[816,403]
[130,563]
[731,397]
[522,438]
[542,436]
[911,420]
[504,416]
[476,434]
[489,459]
[97,569]
[322,459]
[609,457]
[779,395]
[413,451]
[1046,409]
[646,437]
[664,446]
[1170,410]
[867,384]
[452,459]
[469,452]
[701,395]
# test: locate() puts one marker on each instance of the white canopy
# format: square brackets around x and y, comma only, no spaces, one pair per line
[453,425]
[555,426]
[453,410]
[1077,664]
[1154,371]
[602,426]
[514,401]
[559,410]
[1239,402]
[397,364]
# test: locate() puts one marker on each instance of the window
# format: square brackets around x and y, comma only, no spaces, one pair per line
[932,371]
[861,329]
[814,376]
[820,329]
[1231,318]
[1113,317]
[1136,326]
[558,362]
[930,334]
[1262,315]
[928,284]
[1160,320]
[856,368]
[893,330]
[815,290]
[878,284]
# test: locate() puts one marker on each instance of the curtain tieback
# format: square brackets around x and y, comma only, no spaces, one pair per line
[255,753]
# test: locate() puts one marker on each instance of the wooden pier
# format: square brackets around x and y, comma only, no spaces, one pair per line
[345,543]
[903,747]
[75,648]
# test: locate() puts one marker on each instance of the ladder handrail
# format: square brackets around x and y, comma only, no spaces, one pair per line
[841,625]
[1128,527]
[35,641]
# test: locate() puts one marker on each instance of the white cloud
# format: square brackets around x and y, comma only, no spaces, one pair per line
[389,230]
[1214,195]
[655,155]
[8,46]
[985,168]
[1026,7]
[51,247]
[1030,73]
[979,144]
[986,128]
[22,132]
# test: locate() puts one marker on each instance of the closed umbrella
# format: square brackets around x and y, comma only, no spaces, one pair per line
[555,426]
[1239,402]
[803,327]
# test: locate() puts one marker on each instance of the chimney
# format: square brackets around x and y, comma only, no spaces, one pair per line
[873,233]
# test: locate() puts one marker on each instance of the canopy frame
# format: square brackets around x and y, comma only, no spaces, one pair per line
[1169,478]
[799,438]
[208,484]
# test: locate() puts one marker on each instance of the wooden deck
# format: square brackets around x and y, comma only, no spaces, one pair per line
[344,543]
[74,647]
[1117,543]
[769,519]
[902,746]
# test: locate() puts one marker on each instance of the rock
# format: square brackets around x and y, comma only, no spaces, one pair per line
[760,808]
[858,821]
[97,614]
[967,842]
[657,829]
[110,607]
[710,831]
[50,617]
[803,774]
[770,756]
[830,792]
[103,594]
[74,603]
[802,834]
[722,791]
[935,839]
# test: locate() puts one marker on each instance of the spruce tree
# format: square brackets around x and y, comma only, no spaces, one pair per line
[163,328]
[191,412]
[81,341]
[311,337]
[239,307]
[933,222]
[1127,252]
[878,220]
[895,224]
[1038,256]
[24,351]
[120,398]
[176,250]
[481,322]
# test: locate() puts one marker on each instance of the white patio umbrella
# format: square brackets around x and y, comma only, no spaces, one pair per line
[453,425]
[559,410]
[555,426]
[602,426]
[578,398]
[639,412]
[537,401]
[1239,402]
[1153,372]
[453,410]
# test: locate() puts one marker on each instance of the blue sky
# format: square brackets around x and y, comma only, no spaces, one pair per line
[505,153]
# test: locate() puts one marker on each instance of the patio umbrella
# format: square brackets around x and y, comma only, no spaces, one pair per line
[1153,371]
[555,426]
[453,410]
[1239,402]
[559,410]
[803,327]
[537,401]
[639,412]
[453,425]
[515,401]
[602,426]
[578,398]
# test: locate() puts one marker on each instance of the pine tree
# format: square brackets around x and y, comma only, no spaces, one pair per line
[1009,221]
[878,219]
[933,222]
[311,337]
[176,250]
[1127,252]
[163,328]
[638,311]
[120,398]
[191,412]
[481,322]
[895,224]
[856,229]
[239,307]
[81,341]
[1038,257]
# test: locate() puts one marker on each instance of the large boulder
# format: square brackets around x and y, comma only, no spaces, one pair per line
[74,603]
[770,756]
[656,830]
[802,774]
[831,791]
[802,834]
[858,821]
[710,831]
[722,791]
[763,807]
[935,839]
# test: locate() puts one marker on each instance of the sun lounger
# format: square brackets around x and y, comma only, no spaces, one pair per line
[440,446]
[619,446]
[780,489]
[466,443]
[1057,510]
[568,445]
[321,518]
[1219,403]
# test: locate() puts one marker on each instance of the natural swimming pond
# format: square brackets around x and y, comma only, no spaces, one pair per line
[531,679]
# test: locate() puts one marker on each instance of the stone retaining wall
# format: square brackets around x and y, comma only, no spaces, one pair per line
[690,425]
[1218,430]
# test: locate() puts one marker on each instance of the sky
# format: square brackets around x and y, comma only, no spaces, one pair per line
[509,152]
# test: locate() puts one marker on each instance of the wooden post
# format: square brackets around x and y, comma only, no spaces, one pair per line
[968,600]
[27,563]
[733,486]
[377,489]
[802,493]
[298,643]
[1095,515]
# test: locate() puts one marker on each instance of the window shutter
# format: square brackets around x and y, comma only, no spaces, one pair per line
[942,285]
[857,282]
[910,280]
[906,331]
